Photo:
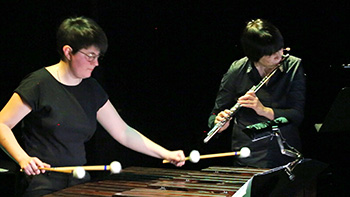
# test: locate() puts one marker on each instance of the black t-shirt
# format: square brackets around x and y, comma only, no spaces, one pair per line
[62,119]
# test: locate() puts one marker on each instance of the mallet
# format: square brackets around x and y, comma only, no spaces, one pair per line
[79,171]
[195,156]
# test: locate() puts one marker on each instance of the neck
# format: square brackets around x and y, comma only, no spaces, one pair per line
[262,69]
[65,74]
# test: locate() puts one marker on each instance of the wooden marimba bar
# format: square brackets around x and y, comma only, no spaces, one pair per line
[143,181]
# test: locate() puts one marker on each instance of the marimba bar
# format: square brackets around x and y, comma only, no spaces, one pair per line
[142,181]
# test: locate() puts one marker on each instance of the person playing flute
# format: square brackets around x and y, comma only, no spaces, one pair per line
[283,95]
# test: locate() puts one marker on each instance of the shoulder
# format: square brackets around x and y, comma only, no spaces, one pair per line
[38,76]
[33,85]
[292,58]
[239,63]
[292,61]
[92,82]
[237,69]
[239,66]
[93,88]
[35,79]
[293,65]
[92,85]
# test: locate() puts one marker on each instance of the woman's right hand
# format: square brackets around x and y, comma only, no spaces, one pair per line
[221,117]
[32,165]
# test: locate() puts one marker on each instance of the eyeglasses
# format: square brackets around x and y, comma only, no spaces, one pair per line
[91,57]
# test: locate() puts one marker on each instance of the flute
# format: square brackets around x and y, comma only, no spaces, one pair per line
[237,106]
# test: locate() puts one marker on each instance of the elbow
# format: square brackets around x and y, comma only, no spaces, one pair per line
[294,116]
[5,126]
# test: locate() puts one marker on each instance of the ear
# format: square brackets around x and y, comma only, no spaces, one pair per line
[67,50]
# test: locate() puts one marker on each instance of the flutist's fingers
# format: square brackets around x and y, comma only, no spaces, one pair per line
[221,117]
[250,100]
[249,96]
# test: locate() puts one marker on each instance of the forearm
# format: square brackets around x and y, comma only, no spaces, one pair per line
[10,145]
[109,118]
[267,112]
[138,142]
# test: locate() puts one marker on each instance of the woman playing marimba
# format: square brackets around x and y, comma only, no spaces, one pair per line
[60,106]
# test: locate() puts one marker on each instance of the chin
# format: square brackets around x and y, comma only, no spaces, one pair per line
[87,75]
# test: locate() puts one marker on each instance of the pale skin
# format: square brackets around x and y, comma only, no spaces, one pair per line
[71,71]
[264,66]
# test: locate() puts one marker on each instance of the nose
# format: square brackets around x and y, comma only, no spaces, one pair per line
[280,52]
[95,62]
[278,55]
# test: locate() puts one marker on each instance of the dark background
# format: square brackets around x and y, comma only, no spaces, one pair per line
[166,58]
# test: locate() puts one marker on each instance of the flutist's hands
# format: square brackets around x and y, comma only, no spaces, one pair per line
[222,116]
[250,100]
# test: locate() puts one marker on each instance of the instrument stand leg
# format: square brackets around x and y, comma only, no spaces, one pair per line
[290,167]
[288,150]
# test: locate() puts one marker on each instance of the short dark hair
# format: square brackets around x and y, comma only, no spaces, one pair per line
[80,32]
[260,38]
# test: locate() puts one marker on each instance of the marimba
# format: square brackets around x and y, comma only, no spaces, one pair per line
[144,181]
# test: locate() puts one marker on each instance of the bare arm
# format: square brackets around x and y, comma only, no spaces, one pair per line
[14,111]
[109,118]
[250,100]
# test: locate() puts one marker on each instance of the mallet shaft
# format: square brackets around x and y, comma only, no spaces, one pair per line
[69,169]
[212,156]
